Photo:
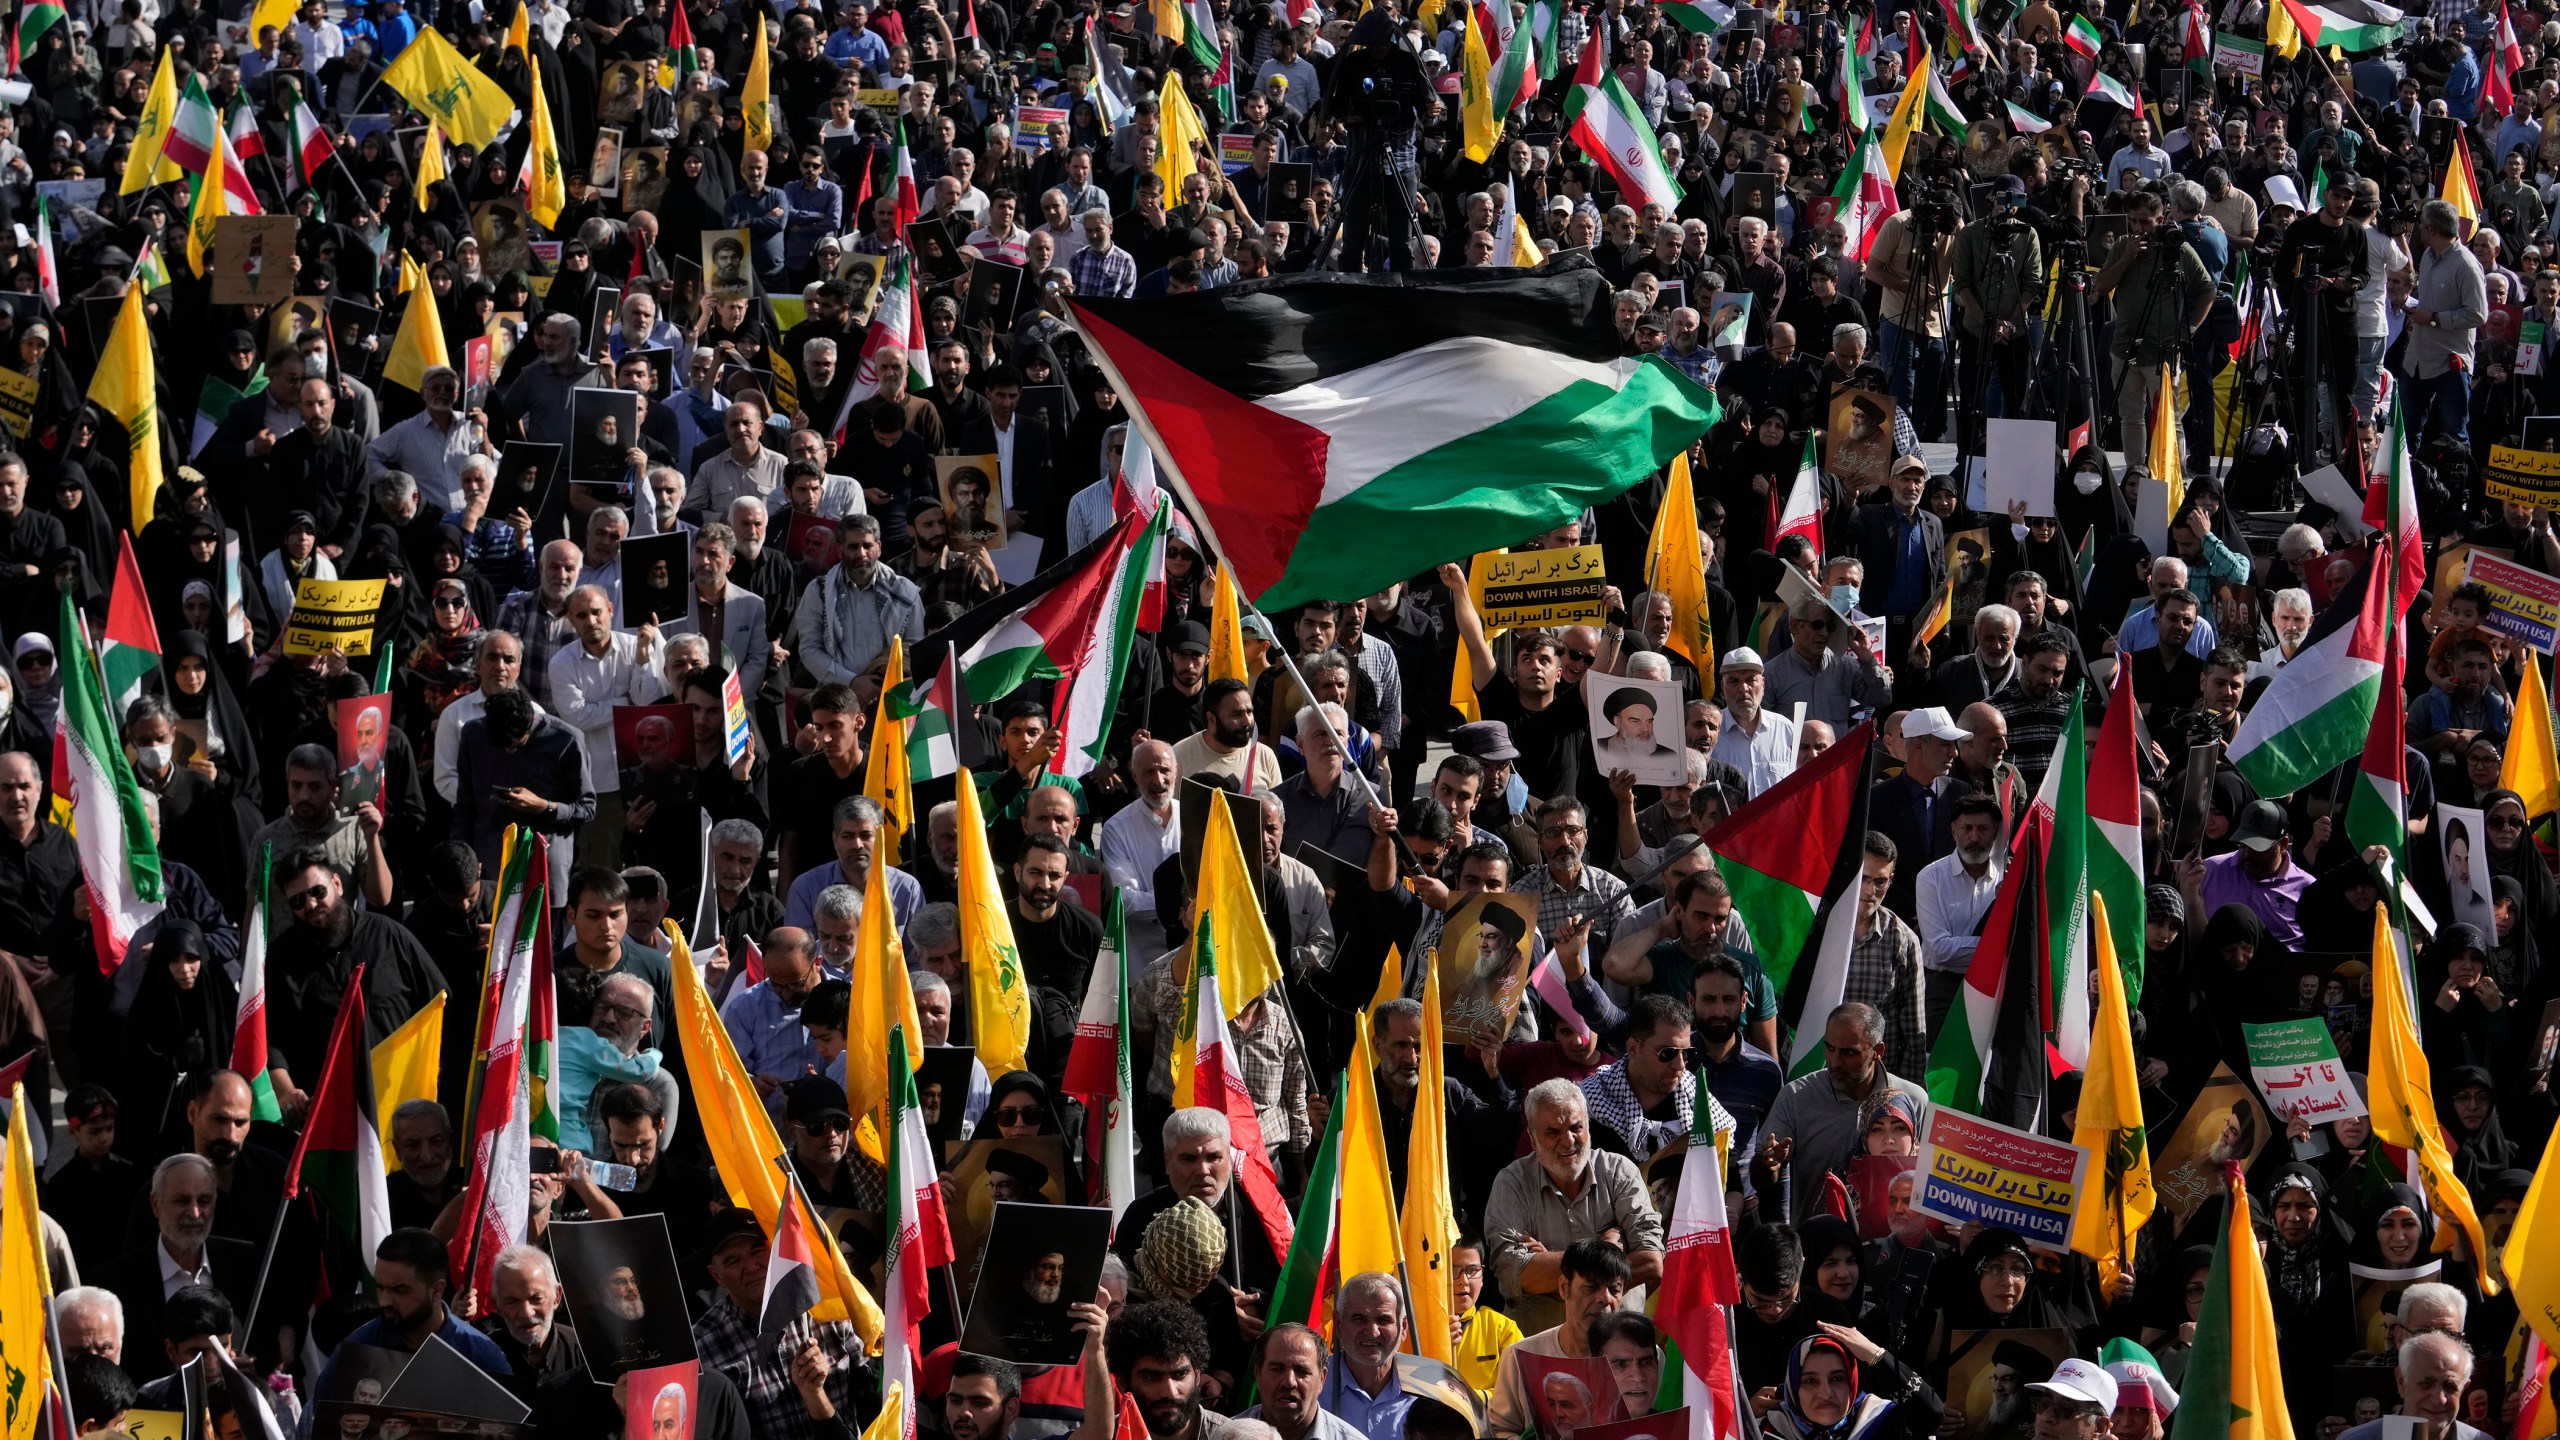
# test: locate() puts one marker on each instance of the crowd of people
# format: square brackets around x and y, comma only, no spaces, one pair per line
[2274,228]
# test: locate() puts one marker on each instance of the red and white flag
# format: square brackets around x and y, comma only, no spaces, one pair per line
[790,1269]
[919,1231]
[1699,1285]
[1802,512]
[310,142]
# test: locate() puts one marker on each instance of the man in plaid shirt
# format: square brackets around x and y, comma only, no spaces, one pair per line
[1567,889]
[1102,270]
[1884,964]
[799,1384]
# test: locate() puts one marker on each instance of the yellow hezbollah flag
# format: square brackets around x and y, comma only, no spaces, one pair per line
[1366,1233]
[2283,37]
[1178,129]
[431,75]
[744,1145]
[419,345]
[2532,1257]
[999,1003]
[1475,94]
[1430,1220]
[211,204]
[886,778]
[2234,1385]
[2402,1094]
[127,388]
[404,1069]
[143,165]
[520,31]
[757,97]
[2167,460]
[2531,768]
[1226,631]
[1248,964]
[430,162]
[545,189]
[26,1285]
[2110,1128]
[278,13]
[881,998]
[1906,116]
[1675,566]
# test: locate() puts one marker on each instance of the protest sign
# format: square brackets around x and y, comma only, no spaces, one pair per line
[18,401]
[1568,1393]
[1628,718]
[656,570]
[253,259]
[619,1282]
[1024,1170]
[332,614]
[1973,1169]
[1039,1259]
[1032,124]
[661,1400]
[1527,589]
[1660,1425]
[2523,604]
[2297,1068]
[2238,52]
[733,714]
[2528,477]
[1988,1373]
[1484,965]
[1235,150]
[363,721]
[2223,1124]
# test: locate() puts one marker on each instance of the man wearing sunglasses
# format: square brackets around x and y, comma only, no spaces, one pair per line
[1645,1101]
[320,950]
[821,1138]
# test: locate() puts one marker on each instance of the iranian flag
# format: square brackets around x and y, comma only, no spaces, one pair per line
[340,1153]
[514,1038]
[1515,64]
[1098,1068]
[48,265]
[2115,828]
[2317,710]
[1779,880]
[1330,431]
[919,1233]
[1700,1285]
[119,862]
[1217,1081]
[249,1022]
[130,649]
[902,178]
[2082,36]
[194,129]
[1700,17]
[1801,511]
[246,138]
[1990,1057]
[2391,506]
[1073,623]
[2347,24]
[1602,118]
[2103,86]
[2026,121]
[2066,886]
[1866,201]
[311,143]
[896,333]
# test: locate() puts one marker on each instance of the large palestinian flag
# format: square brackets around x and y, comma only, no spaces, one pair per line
[1792,854]
[2316,712]
[2347,24]
[1339,432]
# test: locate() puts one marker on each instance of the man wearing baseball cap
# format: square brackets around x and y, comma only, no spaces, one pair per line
[2076,1403]
[1173,713]
[1916,809]
[2259,874]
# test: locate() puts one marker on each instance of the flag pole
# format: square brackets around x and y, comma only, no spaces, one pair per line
[242,1324]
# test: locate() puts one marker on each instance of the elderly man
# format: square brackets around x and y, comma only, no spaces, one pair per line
[847,615]
[1828,668]
[724,611]
[764,1018]
[183,1251]
[1140,837]
[539,398]
[1915,809]
[1325,806]
[605,668]
[527,1325]
[1980,673]
[2433,1370]
[432,444]
[1293,1381]
[1814,1127]
[90,1321]
[422,1138]
[1562,1192]
[1757,741]
[539,617]
[1199,1163]
[2141,628]
[610,1049]
[1361,1385]
[1592,1276]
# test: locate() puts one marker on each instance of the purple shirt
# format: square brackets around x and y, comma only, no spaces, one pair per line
[2273,901]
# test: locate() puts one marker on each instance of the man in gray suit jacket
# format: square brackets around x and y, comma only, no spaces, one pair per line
[730,615]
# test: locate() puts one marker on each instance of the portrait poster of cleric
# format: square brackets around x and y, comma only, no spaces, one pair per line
[624,1295]
[1038,1260]
[1631,721]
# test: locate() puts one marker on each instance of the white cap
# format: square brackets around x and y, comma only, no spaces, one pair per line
[1740,657]
[2082,1380]
[1934,722]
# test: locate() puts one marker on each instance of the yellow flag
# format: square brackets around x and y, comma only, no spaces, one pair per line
[1906,116]
[1390,979]
[143,164]
[1248,963]
[890,1423]
[1167,16]
[2401,1091]
[2237,1328]
[2167,458]
[546,190]
[999,1002]
[2460,190]
[2119,1199]
[519,30]
[1475,93]
[1524,251]
[2531,768]
[1462,682]
[404,1069]
[757,96]
[1676,566]
[278,13]
[1366,1235]
[2532,1257]
[419,345]
[1428,16]
[431,160]
[881,998]
[1429,1219]
[431,75]
[1226,631]
[127,388]
[1178,129]
[886,778]
[746,1148]
[2283,36]
[26,1284]
[211,204]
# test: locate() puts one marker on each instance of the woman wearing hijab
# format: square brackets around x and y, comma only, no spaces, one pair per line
[2395,1248]
[2336,912]
[1993,1285]
[2513,853]
[2035,542]
[2474,776]
[1836,1389]
[1018,1106]
[2463,1013]
[2176,1298]
[439,669]
[2467,1104]
[2306,1260]
[1835,1265]
[202,697]
[402,622]
[85,521]
[2237,975]
[180,1025]
[2116,585]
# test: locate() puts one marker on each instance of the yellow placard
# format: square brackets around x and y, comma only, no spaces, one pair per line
[155,1424]
[17,402]
[883,102]
[2527,477]
[1525,589]
[333,614]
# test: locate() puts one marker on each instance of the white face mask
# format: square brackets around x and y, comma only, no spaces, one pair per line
[2086,482]
[156,758]
[1844,597]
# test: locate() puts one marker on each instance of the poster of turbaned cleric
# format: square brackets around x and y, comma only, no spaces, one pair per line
[624,1294]
[1039,1259]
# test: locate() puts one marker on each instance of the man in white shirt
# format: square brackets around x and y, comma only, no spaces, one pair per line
[432,444]
[601,669]
[1140,837]
[1227,747]
[1760,745]
[1952,894]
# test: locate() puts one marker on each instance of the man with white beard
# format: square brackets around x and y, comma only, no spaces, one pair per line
[527,1323]
[1036,1323]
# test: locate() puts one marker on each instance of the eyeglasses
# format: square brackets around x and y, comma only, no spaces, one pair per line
[1665,1054]
[316,895]
[1018,1115]
[1585,656]
[1771,1305]
[451,602]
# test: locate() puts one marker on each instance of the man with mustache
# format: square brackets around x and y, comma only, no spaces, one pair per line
[1562,1192]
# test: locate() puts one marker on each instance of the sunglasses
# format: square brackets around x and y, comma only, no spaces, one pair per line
[1018,1115]
[36,660]
[1665,1054]
[825,1125]
[1585,656]
[451,602]
[316,895]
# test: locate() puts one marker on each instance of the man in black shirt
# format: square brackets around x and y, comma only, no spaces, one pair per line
[1173,714]
[1550,733]
[1057,940]
[2324,253]
[811,786]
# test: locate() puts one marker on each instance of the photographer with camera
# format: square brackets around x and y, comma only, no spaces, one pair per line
[1996,273]
[2162,296]
[1380,94]
[2325,258]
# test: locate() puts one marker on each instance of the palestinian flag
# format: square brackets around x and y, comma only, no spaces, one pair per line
[130,649]
[340,1153]
[2378,806]
[2082,36]
[2347,24]
[2318,708]
[1310,1274]
[1815,979]
[34,18]
[151,269]
[1781,883]
[1222,87]
[1199,37]
[2026,121]
[2195,39]
[683,56]
[1602,118]
[918,1231]
[1700,17]
[249,1022]
[790,1269]
[1073,623]
[2066,887]
[194,128]
[1940,105]
[1112,93]
[2114,800]
[2234,1385]
[2103,86]
[119,861]
[928,704]
[1098,1067]
[310,142]
[1327,424]
[1866,197]
[1699,1283]
[1990,1059]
